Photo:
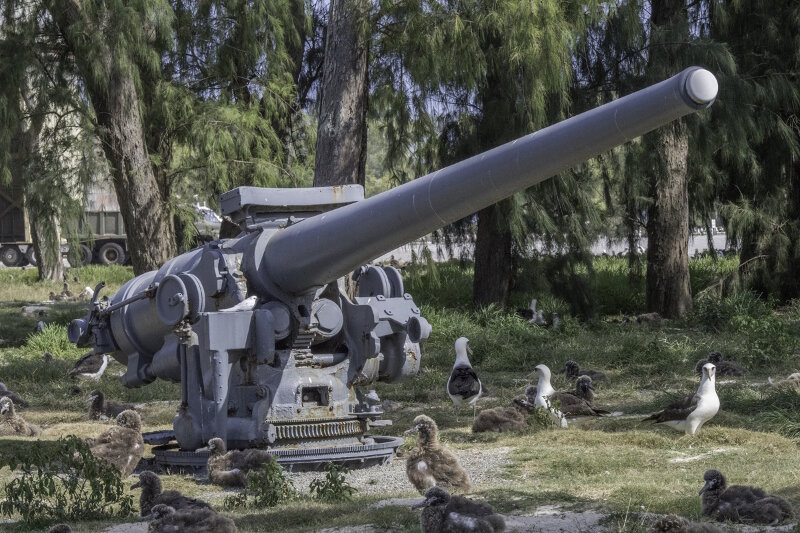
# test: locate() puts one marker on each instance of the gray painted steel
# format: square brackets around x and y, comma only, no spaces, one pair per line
[395,217]
[258,329]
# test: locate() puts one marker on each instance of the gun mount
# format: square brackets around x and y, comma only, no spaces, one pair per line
[258,329]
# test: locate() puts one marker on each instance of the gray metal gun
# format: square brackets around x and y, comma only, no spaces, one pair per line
[258,329]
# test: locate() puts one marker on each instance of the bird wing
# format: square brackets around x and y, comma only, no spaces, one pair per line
[463,382]
[724,368]
[178,501]
[566,398]
[251,459]
[88,364]
[678,410]
[16,398]
[465,506]
[112,409]
[596,375]
[447,471]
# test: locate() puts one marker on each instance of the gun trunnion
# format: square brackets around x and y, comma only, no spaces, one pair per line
[258,329]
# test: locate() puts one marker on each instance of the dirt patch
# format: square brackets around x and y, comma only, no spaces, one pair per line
[552,519]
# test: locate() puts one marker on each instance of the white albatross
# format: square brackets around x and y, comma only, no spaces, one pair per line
[544,391]
[690,413]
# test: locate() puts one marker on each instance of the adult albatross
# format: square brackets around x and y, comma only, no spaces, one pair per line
[463,385]
[690,413]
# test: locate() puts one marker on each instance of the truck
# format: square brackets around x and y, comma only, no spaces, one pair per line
[103,239]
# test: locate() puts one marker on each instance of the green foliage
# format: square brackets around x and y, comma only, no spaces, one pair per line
[265,488]
[61,481]
[53,338]
[334,488]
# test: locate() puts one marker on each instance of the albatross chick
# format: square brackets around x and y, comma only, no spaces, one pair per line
[230,469]
[503,419]
[578,403]
[690,413]
[429,464]
[16,398]
[741,503]
[153,494]
[121,445]
[573,371]
[724,367]
[11,424]
[442,513]
[100,407]
[165,519]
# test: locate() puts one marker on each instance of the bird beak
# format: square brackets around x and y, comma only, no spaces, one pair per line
[420,505]
[469,350]
[706,487]
[147,518]
[410,431]
[591,387]
[3,410]
[136,485]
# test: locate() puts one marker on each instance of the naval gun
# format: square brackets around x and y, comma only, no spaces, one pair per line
[258,329]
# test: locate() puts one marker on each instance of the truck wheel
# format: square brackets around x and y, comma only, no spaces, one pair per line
[86,255]
[10,256]
[30,256]
[112,253]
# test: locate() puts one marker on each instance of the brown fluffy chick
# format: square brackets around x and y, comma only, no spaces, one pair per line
[153,494]
[428,464]
[11,424]
[676,524]
[167,520]
[122,445]
[100,407]
[229,468]
[504,419]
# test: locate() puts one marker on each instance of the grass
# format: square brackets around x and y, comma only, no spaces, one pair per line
[617,465]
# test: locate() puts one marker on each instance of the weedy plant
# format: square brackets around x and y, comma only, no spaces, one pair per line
[334,488]
[265,488]
[61,481]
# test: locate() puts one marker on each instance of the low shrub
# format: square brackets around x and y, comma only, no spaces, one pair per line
[265,488]
[334,488]
[61,481]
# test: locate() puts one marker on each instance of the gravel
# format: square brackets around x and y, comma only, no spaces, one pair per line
[483,469]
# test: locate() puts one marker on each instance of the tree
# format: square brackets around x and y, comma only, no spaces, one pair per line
[179,110]
[667,289]
[455,79]
[759,153]
[106,41]
[341,152]
[42,145]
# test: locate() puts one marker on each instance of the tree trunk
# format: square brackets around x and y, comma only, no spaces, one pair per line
[42,214]
[492,279]
[144,210]
[46,234]
[668,291]
[667,280]
[342,129]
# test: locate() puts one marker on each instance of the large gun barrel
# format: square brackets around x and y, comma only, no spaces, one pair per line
[325,247]
[268,346]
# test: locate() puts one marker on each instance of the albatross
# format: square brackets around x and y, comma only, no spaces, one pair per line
[544,393]
[690,413]
[92,365]
[463,385]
